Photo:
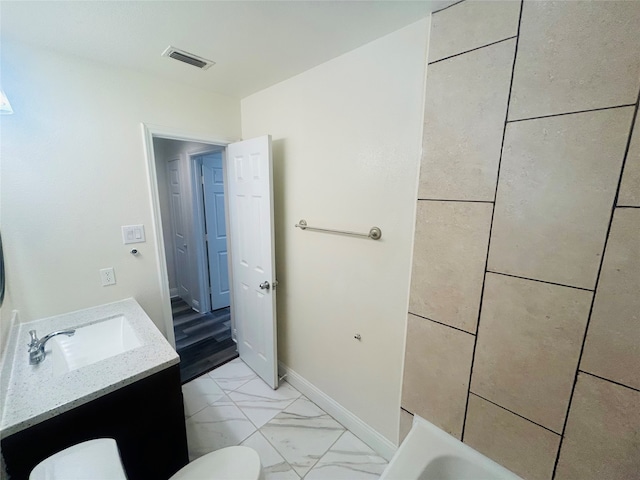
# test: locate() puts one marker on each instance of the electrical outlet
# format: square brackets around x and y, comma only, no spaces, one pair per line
[108,276]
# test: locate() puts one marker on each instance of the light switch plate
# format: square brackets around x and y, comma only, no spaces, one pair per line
[133,234]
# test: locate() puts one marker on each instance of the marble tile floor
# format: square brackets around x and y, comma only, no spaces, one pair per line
[295,439]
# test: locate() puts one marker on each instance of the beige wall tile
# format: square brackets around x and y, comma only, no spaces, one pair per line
[436,373]
[630,187]
[471,25]
[558,180]
[529,341]
[612,349]
[465,110]
[515,443]
[576,56]
[449,258]
[602,439]
[406,422]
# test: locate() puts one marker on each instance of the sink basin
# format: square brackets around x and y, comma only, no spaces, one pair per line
[92,343]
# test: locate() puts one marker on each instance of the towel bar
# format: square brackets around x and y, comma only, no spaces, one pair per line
[375,233]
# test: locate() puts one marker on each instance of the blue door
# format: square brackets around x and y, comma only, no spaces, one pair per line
[214,215]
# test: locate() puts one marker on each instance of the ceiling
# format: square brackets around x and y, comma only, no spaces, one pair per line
[255,44]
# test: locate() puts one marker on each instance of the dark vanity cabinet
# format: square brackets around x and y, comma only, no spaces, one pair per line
[146,418]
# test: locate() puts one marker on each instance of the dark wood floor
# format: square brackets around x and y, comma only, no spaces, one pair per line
[203,341]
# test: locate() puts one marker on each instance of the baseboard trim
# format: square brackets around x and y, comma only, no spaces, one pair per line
[378,442]
[196,306]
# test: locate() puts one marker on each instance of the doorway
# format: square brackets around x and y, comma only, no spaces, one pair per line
[249,215]
[193,215]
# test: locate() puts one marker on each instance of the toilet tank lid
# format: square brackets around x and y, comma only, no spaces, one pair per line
[96,459]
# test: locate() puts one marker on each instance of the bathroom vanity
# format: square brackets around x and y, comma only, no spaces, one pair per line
[125,385]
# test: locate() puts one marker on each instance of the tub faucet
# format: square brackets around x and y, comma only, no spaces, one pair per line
[36,347]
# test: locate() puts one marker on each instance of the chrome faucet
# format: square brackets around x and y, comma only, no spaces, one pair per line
[36,347]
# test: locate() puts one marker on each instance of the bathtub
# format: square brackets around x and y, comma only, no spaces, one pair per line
[429,453]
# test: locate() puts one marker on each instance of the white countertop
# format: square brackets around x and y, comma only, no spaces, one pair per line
[31,394]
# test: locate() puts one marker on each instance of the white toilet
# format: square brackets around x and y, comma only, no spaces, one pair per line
[100,460]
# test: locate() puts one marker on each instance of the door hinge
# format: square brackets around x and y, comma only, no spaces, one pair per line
[206,237]
[202,179]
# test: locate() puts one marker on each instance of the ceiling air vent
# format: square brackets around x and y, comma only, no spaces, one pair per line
[186,57]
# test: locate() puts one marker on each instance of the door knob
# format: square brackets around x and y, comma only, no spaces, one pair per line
[265,285]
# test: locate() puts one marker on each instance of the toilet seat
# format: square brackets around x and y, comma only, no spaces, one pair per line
[100,460]
[231,463]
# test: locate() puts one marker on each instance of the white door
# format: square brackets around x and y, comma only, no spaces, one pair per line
[250,182]
[214,219]
[181,252]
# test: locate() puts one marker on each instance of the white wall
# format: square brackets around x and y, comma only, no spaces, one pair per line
[347,140]
[74,171]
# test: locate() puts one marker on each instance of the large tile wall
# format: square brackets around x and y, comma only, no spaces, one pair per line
[523,334]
